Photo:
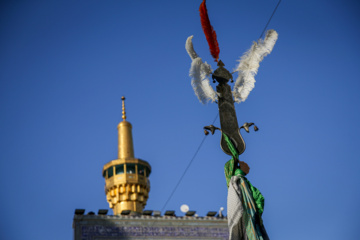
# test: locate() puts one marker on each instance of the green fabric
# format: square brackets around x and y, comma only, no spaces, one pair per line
[229,169]
[257,196]
[229,166]
[229,172]
[230,145]
[254,227]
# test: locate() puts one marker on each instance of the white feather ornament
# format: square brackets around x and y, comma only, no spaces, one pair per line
[249,64]
[199,73]
[190,49]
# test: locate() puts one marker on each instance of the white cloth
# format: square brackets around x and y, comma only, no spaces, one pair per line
[243,220]
[235,211]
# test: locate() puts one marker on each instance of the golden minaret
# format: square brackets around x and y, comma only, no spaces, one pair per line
[126,178]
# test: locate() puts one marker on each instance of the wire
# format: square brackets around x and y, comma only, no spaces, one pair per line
[269,19]
[188,166]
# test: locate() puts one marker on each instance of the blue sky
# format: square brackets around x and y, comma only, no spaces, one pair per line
[65,65]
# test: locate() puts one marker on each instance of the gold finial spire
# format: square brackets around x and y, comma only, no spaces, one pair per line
[126,147]
[123,108]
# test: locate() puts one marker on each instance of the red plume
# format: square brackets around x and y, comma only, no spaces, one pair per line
[209,31]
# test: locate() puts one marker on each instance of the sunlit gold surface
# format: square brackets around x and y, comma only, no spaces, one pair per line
[125,142]
[126,191]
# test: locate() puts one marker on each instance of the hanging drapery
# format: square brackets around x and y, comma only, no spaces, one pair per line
[245,203]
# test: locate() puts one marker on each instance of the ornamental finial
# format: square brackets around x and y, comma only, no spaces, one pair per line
[123,108]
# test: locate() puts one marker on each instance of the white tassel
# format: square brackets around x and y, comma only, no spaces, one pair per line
[199,73]
[249,64]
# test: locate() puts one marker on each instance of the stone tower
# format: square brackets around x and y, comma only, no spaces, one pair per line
[126,178]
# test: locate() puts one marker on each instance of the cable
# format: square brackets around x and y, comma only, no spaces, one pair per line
[269,19]
[192,159]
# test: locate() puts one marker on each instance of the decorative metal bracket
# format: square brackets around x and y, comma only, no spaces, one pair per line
[247,125]
[211,128]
